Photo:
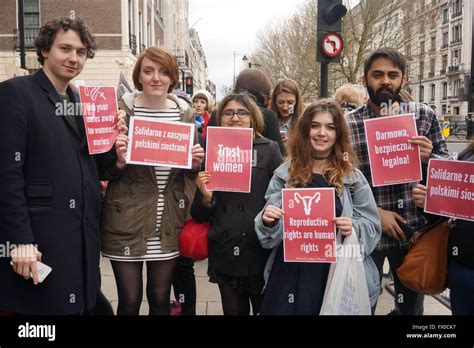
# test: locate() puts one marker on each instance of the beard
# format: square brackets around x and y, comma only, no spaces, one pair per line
[384,95]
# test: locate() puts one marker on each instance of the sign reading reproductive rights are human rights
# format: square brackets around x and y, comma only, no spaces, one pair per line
[309,231]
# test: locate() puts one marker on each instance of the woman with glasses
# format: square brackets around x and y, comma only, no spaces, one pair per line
[236,259]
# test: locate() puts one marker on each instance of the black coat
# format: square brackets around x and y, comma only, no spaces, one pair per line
[49,196]
[233,217]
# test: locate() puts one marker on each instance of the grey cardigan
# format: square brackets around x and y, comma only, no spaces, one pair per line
[359,205]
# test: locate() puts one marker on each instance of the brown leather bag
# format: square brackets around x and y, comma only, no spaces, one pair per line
[425,267]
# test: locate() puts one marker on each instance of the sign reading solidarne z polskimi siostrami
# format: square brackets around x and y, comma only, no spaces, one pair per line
[450,189]
[160,143]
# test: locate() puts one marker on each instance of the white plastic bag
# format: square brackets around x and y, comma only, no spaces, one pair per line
[346,289]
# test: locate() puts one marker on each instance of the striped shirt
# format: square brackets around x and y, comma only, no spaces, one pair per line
[396,198]
[154,252]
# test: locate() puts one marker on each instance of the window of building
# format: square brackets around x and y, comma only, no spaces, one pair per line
[445,16]
[444,63]
[31,21]
[457,33]
[433,92]
[422,47]
[433,22]
[457,8]
[456,110]
[456,58]
[444,110]
[433,43]
[457,85]
[445,90]
[432,67]
[445,39]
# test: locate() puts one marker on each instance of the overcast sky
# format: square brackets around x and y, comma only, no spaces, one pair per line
[226,26]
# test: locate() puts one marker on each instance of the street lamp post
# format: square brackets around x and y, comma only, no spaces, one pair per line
[244,58]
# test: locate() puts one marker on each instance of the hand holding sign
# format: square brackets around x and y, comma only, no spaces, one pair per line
[197,153]
[271,215]
[425,145]
[344,225]
[122,124]
[203,179]
[419,195]
[121,144]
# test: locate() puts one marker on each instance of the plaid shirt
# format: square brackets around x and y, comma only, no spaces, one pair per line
[396,198]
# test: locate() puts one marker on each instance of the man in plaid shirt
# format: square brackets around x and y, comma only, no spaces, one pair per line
[384,75]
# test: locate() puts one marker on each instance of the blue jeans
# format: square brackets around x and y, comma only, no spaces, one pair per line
[461,284]
[407,302]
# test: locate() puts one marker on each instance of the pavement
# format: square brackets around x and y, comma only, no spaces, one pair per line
[209,302]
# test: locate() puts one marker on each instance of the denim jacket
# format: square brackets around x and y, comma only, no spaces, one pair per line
[357,203]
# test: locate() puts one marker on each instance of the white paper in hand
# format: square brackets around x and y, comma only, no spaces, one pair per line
[43,271]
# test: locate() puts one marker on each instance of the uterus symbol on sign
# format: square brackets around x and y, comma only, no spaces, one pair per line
[94,93]
[307,201]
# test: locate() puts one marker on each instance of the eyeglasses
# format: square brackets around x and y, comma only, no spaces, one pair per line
[240,113]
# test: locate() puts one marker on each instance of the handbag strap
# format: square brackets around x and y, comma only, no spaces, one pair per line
[425,228]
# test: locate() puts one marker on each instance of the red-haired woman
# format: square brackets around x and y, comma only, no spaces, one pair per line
[321,156]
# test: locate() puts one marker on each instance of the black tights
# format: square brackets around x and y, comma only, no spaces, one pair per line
[128,276]
[235,303]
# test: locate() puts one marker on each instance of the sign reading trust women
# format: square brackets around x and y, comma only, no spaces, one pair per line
[99,109]
[229,158]
[160,143]
[450,189]
[393,160]
[309,231]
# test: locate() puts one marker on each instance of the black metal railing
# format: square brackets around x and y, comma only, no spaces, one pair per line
[453,69]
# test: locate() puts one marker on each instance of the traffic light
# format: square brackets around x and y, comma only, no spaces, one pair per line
[329,25]
[189,85]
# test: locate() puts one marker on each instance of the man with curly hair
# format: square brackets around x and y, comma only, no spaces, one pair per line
[49,184]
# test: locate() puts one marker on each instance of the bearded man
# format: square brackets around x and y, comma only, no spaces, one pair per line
[384,76]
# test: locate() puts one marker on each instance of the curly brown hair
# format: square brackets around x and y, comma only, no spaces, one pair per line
[47,34]
[342,159]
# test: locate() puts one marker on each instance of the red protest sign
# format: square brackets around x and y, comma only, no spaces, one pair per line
[154,142]
[393,160]
[450,189]
[309,231]
[99,109]
[229,158]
